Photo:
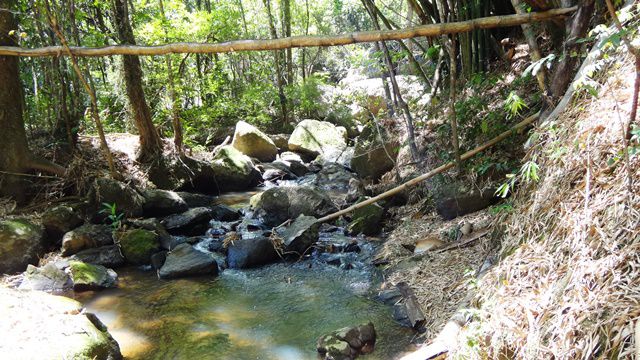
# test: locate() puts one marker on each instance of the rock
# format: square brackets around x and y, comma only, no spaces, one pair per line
[338,156]
[91,277]
[233,170]
[251,250]
[108,256]
[366,220]
[347,343]
[162,203]
[48,278]
[300,235]
[281,141]
[196,200]
[158,259]
[184,260]
[355,190]
[334,177]
[282,203]
[85,237]
[191,222]
[59,220]
[128,201]
[138,245]
[312,138]
[372,157]
[466,228]
[253,142]
[37,325]
[450,207]
[21,244]
[225,213]
[152,224]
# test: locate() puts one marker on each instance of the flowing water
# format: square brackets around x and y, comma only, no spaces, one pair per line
[273,312]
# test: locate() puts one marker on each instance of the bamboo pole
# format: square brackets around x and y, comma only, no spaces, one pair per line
[431,30]
[519,126]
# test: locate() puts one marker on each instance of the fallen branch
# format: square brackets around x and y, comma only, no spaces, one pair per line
[521,125]
[431,30]
[464,240]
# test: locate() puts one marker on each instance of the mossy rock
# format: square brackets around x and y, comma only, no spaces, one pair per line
[253,142]
[313,138]
[366,220]
[90,277]
[138,245]
[21,243]
[233,170]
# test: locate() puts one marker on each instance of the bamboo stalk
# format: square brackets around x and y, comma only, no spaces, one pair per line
[519,126]
[431,30]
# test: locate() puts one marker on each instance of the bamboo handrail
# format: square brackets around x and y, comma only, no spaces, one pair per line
[431,30]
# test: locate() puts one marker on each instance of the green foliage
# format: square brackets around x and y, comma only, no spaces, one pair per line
[114,218]
[528,173]
[514,105]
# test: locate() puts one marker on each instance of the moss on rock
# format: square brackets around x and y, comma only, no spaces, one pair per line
[138,245]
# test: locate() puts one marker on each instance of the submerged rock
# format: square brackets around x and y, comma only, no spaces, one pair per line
[184,260]
[162,203]
[300,235]
[86,237]
[251,250]
[253,142]
[366,220]
[58,221]
[91,277]
[138,245]
[191,222]
[21,243]
[37,325]
[47,278]
[282,203]
[108,256]
[312,138]
[347,343]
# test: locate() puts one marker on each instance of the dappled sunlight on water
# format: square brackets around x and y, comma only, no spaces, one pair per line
[276,312]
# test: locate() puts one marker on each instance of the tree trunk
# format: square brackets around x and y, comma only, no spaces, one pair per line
[286,24]
[175,106]
[15,157]
[278,63]
[150,143]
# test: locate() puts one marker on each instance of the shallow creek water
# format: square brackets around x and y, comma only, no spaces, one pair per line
[273,312]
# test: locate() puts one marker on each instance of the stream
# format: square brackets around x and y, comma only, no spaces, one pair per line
[276,311]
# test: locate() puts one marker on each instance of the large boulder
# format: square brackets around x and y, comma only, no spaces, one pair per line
[162,203]
[312,138]
[192,222]
[156,226]
[233,170]
[108,255]
[253,142]
[347,343]
[281,141]
[21,243]
[450,206]
[58,221]
[373,157]
[85,237]
[37,325]
[251,250]
[366,220]
[300,235]
[279,204]
[137,245]
[184,260]
[48,278]
[128,201]
[91,277]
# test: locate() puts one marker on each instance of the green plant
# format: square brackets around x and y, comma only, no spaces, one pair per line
[514,105]
[113,217]
[528,172]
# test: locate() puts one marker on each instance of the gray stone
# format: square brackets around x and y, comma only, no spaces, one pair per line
[312,138]
[162,203]
[184,261]
[251,251]
[85,237]
[91,277]
[191,222]
[366,220]
[300,235]
[48,278]
[21,244]
[59,220]
[128,201]
[282,203]
[253,142]
[108,255]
